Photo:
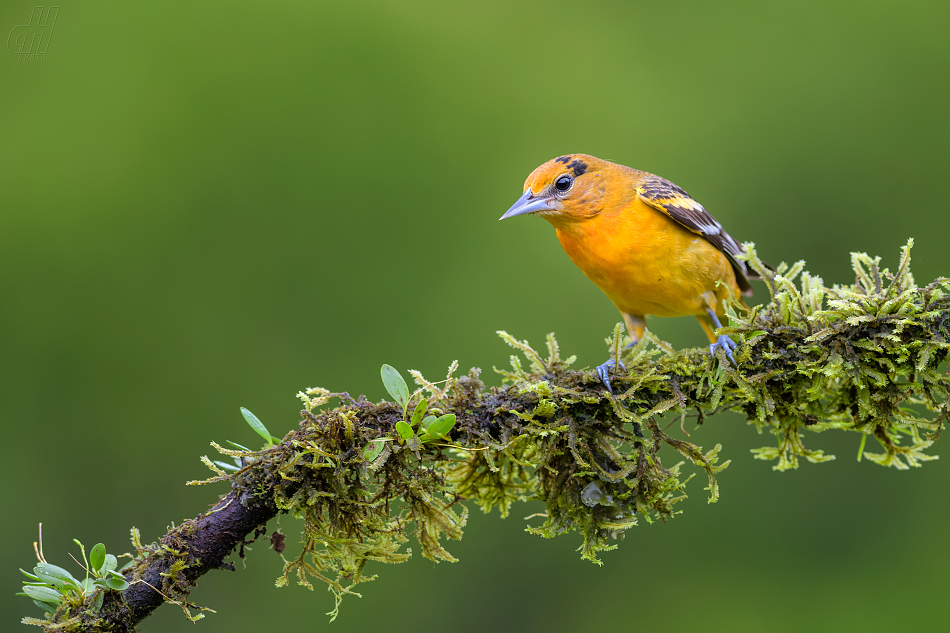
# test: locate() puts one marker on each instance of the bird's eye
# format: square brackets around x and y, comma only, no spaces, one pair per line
[563,183]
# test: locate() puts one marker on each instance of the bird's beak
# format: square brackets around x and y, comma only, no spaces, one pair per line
[526,204]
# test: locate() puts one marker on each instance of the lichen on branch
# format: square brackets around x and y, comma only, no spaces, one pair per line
[365,477]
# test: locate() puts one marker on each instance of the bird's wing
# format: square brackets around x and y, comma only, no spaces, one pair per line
[666,197]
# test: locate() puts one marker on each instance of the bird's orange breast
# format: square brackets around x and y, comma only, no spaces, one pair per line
[646,263]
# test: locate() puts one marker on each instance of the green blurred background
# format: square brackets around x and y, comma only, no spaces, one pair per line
[213,205]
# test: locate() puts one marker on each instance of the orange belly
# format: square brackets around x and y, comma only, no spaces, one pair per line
[648,264]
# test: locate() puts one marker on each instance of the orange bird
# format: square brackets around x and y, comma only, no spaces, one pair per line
[644,241]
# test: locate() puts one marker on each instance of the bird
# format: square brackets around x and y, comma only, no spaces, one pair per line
[645,242]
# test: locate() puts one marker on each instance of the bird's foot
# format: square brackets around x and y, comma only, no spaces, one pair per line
[726,344]
[602,373]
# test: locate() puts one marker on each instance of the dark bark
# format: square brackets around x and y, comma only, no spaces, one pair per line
[203,543]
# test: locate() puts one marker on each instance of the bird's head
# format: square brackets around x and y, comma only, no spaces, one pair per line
[565,189]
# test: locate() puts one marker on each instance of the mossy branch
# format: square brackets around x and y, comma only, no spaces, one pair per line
[867,358]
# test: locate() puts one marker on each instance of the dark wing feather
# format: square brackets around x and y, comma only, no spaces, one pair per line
[664,196]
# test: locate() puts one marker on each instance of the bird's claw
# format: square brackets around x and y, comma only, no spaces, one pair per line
[727,344]
[602,373]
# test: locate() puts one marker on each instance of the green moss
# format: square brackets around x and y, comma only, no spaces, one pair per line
[865,358]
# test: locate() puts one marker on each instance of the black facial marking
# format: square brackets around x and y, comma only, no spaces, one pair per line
[579,167]
[563,159]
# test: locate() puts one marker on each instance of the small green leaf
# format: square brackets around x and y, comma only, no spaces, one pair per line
[117,584]
[395,384]
[441,427]
[52,570]
[419,412]
[53,575]
[404,430]
[429,419]
[446,423]
[754,333]
[110,564]
[372,449]
[46,606]
[227,466]
[239,447]
[43,594]
[28,574]
[97,556]
[96,603]
[258,427]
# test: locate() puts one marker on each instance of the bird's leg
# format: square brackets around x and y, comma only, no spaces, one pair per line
[724,341]
[610,364]
[636,326]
